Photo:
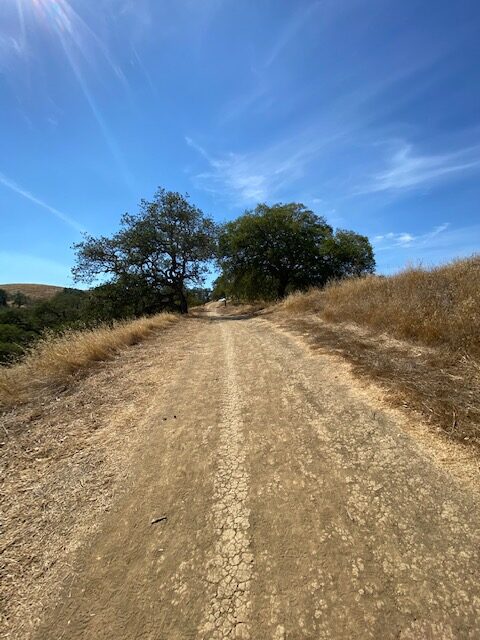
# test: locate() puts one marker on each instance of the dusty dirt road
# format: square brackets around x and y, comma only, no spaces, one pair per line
[293,506]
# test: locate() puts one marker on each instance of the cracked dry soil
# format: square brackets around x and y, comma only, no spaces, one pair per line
[297,507]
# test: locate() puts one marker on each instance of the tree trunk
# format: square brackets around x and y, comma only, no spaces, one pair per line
[183,301]
[282,287]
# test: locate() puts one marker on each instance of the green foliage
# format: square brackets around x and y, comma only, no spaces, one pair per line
[20,326]
[222,288]
[9,351]
[348,254]
[155,255]
[15,333]
[275,249]
[73,308]
[64,309]
[198,296]
[126,297]
[19,299]
[160,256]
[13,340]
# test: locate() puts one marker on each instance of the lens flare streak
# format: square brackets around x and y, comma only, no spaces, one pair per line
[80,45]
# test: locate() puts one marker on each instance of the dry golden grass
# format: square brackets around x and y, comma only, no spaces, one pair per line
[417,332]
[437,307]
[35,292]
[53,359]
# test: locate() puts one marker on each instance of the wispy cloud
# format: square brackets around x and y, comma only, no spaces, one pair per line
[403,239]
[141,65]
[11,48]
[249,103]
[13,186]
[248,182]
[177,19]
[259,176]
[408,169]
[437,246]
[137,11]
[291,30]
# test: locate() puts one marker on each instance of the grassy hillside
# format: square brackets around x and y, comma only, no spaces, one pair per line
[438,307]
[21,325]
[35,292]
[53,359]
[417,333]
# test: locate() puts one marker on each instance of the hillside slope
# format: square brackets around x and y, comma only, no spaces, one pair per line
[231,483]
[35,292]
[416,332]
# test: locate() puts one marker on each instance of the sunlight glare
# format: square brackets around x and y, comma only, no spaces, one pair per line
[80,45]
[55,13]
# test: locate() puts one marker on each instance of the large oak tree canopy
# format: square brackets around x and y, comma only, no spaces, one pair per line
[161,249]
[274,249]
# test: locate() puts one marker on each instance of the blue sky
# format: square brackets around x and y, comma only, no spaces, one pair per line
[368,111]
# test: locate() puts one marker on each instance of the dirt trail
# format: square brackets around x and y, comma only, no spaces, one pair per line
[296,507]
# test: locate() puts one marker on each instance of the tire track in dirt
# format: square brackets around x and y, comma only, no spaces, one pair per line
[229,570]
[308,544]
[137,580]
[398,520]
[296,507]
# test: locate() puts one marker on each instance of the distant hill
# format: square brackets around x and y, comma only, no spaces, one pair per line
[33,291]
